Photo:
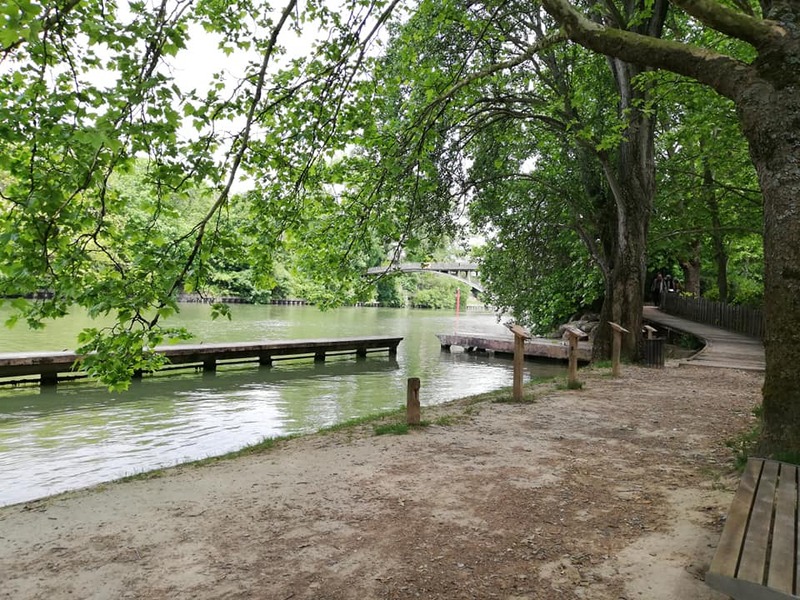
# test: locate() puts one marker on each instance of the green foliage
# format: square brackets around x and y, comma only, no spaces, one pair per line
[746,443]
[431,291]
[389,292]
[709,209]
[113,356]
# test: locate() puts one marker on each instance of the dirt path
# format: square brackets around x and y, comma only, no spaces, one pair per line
[616,491]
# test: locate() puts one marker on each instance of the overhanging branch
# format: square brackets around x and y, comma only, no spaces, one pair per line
[719,71]
[732,22]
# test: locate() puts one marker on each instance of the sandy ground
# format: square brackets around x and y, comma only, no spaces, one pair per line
[617,491]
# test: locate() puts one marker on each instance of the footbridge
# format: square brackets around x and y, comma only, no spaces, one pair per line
[723,348]
[460,271]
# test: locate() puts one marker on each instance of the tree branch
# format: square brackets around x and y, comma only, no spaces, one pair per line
[716,15]
[720,72]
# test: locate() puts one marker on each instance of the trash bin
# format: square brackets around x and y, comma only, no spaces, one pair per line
[653,353]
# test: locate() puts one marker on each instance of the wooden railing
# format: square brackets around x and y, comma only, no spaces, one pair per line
[741,319]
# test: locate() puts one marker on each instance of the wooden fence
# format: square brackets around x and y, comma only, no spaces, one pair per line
[741,319]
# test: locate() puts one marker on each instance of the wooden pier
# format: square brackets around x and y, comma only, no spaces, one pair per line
[49,365]
[501,346]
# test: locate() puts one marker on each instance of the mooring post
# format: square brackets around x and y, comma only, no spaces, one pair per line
[412,401]
[574,334]
[520,335]
[616,347]
[48,379]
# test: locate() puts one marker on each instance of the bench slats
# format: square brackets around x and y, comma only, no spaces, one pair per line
[730,544]
[752,565]
[781,562]
[757,555]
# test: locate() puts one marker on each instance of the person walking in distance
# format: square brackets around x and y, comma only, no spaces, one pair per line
[658,288]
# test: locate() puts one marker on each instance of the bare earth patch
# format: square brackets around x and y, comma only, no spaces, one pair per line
[617,491]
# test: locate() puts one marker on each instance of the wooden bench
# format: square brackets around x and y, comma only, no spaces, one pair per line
[757,556]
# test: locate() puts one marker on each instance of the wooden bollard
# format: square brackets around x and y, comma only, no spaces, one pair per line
[616,347]
[412,401]
[574,334]
[520,335]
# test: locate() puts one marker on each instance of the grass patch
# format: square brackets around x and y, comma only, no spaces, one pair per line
[527,398]
[449,420]
[746,444]
[391,429]
[602,364]
[540,379]
[569,385]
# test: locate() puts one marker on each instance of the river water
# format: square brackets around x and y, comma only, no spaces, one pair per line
[79,434]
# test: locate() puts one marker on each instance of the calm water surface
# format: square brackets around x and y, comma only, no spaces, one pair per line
[79,434]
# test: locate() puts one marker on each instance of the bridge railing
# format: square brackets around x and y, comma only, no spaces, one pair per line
[741,319]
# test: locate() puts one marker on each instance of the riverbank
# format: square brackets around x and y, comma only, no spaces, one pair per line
[614,491]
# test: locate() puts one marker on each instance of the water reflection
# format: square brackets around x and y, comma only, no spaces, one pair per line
[79,434]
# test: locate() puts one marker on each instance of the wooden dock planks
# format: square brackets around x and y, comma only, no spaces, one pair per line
[533,348]
[48,365]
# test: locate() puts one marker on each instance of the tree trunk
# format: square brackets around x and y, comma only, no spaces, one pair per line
[717,235]
[691,270]
[770,117]
[632,182]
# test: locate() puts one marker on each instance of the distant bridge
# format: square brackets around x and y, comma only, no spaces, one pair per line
[460,271]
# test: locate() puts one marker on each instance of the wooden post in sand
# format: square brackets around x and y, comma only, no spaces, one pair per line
[616,346]
[520,335]
[412,401]
[574,335]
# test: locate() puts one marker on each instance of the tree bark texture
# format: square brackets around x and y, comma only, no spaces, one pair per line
[771,121]
[631,177]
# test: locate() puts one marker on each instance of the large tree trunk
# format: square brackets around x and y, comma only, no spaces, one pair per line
[632,182]
[770,117]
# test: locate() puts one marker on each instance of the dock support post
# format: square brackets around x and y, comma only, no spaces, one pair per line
[616,347]
[47,379]
[520,335]
[210,365]
[319,357]
[412,401]
[393,350]
[265,360]
[361,353]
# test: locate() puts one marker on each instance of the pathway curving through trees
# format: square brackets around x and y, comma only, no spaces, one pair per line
[723,348]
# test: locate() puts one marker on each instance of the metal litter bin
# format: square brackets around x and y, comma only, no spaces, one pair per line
[653,353]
